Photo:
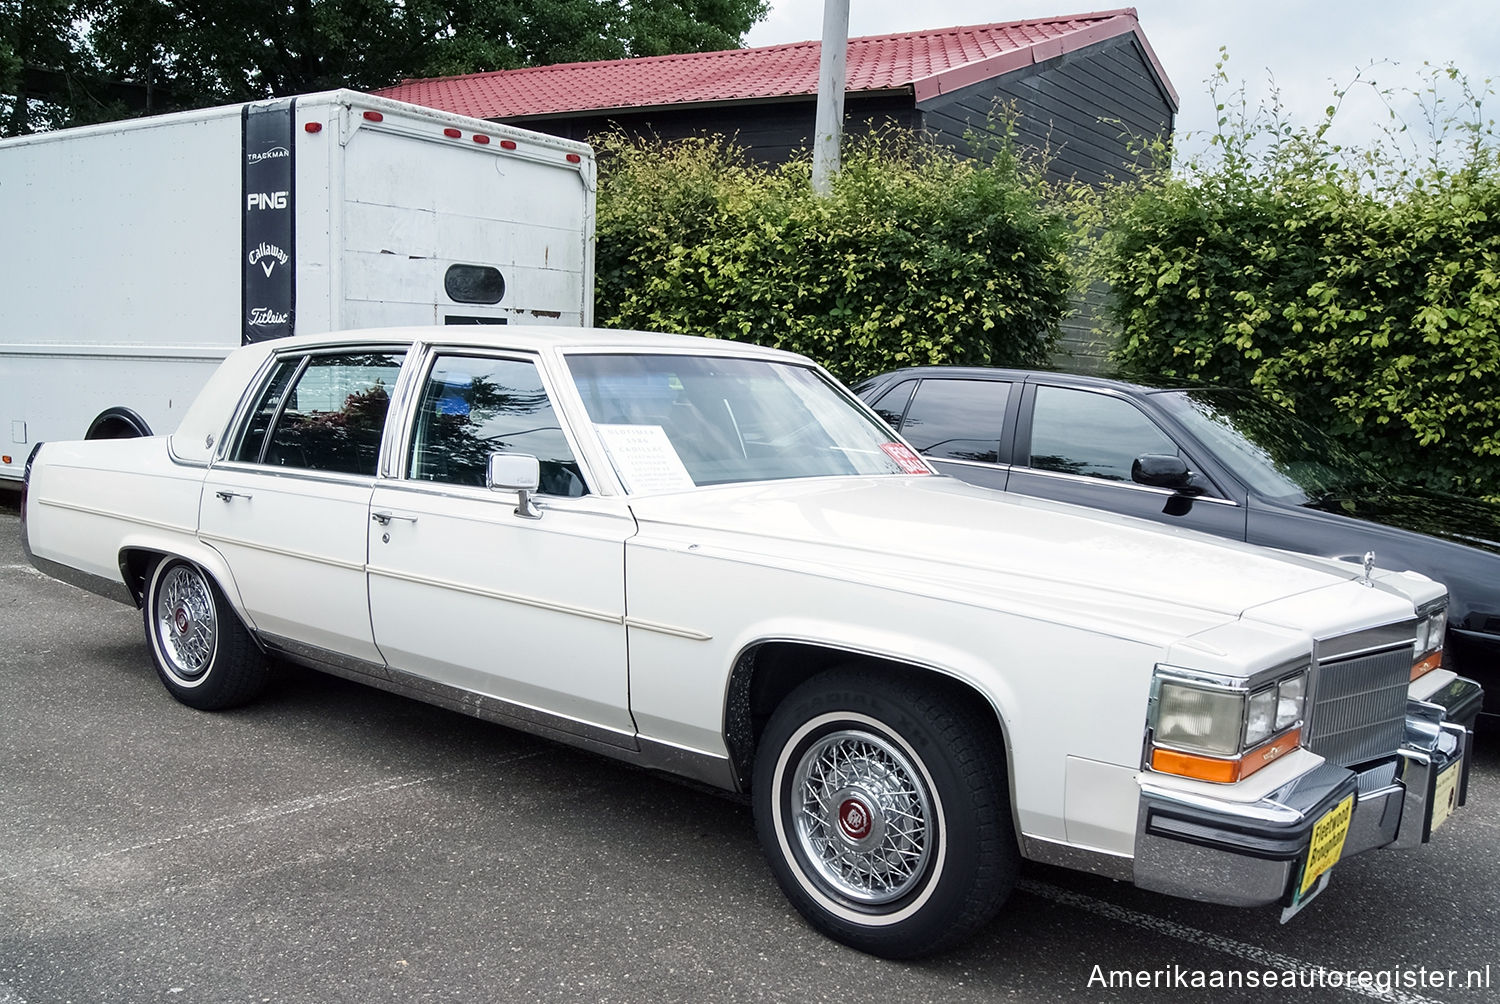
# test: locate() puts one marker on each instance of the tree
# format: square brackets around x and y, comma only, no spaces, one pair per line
[40,57]
[160,54]
[1361,287]
[917,256]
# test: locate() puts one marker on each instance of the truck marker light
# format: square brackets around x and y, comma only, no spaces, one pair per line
[573,158]
[480,138]
[314,127]
[507,144]
[452,133]
[375,116]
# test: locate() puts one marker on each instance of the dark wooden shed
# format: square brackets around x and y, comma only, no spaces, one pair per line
[1085,88]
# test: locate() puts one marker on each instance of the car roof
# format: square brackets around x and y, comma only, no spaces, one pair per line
[536,337]
[1017,376]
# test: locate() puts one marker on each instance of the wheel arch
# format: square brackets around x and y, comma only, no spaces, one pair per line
[118,423]
[138,559]
[766,671]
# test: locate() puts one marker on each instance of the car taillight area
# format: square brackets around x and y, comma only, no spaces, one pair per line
[26,485]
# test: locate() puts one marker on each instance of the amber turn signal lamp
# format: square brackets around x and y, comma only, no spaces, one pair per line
[1426,664]
[1220,770]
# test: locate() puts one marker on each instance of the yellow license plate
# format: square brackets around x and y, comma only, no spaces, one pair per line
[1327,842]
[1445,796]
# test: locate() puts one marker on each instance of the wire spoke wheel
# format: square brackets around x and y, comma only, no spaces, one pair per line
[201,650]
[881,804]
[862,816]
[186,623]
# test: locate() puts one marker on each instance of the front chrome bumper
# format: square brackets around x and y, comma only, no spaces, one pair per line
[1252,854]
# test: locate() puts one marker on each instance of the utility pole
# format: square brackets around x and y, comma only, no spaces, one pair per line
[832,71]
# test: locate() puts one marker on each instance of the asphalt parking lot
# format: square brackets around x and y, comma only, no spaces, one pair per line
[333,843]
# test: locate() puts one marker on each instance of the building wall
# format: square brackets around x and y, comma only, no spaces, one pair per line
[1090,114]
[772,132]
[1086,112]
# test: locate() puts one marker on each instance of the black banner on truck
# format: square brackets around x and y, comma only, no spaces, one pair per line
[269,292]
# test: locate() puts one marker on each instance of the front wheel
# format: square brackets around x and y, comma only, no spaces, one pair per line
[883,808]
[203,654]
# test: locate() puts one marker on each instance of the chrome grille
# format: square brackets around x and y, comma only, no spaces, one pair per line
[1359,706]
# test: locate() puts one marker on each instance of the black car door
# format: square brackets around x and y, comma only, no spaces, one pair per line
[1077,444]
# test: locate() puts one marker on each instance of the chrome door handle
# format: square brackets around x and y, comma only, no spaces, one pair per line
[228,496]
[384,518]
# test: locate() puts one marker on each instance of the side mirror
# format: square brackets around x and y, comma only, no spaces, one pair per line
[1164,471]
[516,472]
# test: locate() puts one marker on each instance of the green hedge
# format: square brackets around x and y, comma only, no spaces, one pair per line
[917,257]
[1366,298]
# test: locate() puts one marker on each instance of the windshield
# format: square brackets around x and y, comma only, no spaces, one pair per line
[675,421]
[1269,448]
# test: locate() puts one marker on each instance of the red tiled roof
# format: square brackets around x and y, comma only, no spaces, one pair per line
[930,62]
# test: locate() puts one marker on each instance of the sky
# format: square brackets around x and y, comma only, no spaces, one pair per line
[1308,49]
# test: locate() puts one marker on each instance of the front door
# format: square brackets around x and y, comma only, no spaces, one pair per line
[466,592]
[1078,446]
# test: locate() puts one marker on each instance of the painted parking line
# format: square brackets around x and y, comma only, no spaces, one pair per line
[1261,958]
[312,802]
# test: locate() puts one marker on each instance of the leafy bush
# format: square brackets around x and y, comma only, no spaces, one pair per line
[917,257]
[1351,285]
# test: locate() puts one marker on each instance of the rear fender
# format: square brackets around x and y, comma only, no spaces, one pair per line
[140,552]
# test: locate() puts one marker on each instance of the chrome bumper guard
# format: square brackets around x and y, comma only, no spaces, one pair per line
[1251,854]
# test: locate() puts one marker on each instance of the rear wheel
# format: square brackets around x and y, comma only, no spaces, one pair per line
[882,806]
[203,654]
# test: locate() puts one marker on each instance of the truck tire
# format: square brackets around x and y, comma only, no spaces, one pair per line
[203,654]
[883,807]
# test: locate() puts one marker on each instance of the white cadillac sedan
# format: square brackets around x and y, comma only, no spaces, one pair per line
[710,559]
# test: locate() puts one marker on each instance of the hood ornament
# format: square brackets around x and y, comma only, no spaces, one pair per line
[1369,567]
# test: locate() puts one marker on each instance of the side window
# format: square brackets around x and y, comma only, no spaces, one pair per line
[1096,435]
[322,413]
[472,407]
[892,404]
[253,438]
[958,419]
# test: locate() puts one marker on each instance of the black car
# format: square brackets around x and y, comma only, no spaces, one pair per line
[1221,461]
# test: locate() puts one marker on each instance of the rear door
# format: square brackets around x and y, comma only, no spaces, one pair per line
[961,425]
[445,230]
[289,503]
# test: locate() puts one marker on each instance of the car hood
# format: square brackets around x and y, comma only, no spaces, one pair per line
[1449,517]
[944,537]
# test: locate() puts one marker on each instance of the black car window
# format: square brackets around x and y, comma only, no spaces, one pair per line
[330,418]
[891,405]
[473,406]
[1095,435]
[957,419]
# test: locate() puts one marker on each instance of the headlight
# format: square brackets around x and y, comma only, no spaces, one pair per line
[1192,718]
[1261,721]
[1427,650]
[1291,701]
[1205,730]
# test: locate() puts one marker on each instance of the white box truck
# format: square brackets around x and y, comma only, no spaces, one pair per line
[135,255]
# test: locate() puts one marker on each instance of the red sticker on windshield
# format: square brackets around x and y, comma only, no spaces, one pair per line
[908,461]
